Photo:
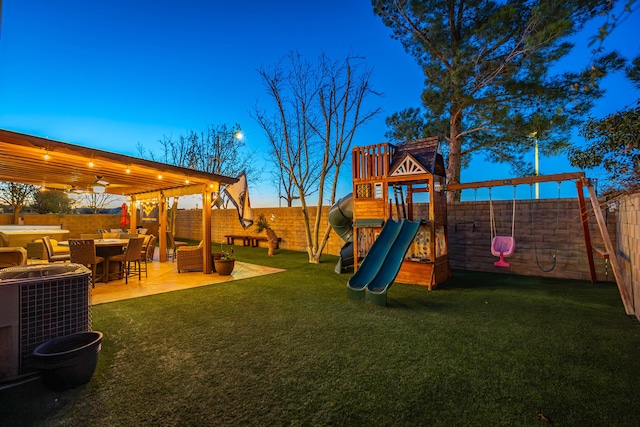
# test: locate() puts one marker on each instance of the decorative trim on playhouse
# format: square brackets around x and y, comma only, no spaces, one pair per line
[408,166]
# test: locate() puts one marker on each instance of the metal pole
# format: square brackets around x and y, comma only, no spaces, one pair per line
[536,161]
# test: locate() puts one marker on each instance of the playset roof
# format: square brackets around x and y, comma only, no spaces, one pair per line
[425,151]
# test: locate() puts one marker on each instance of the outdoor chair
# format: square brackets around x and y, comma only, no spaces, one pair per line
[36,249]
[51,256]
[131,255]
[190,258]
[83,251]
[12,256]
[106,235]
[172,245]
[148,248]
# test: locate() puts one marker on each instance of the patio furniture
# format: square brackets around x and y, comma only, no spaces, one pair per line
[51,255]
[36,250]
[132,254]
[12,256]
[172,245]
[83,251]
[20,235]
[110,235]
[108,248]
[147,251]
[190,258]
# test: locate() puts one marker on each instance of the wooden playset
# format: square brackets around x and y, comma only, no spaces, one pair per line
[387,180]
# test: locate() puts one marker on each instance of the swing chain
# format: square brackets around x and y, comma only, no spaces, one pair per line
[535,245]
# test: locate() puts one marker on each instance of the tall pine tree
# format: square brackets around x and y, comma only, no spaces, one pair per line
[489,83]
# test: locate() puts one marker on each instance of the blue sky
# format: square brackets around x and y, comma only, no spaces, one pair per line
[110,75]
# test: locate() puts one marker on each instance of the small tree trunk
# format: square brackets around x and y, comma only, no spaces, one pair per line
[272,237]
[16,214]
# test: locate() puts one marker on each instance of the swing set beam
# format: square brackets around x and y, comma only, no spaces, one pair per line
[569,176]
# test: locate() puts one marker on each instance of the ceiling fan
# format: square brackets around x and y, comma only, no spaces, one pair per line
[100,185]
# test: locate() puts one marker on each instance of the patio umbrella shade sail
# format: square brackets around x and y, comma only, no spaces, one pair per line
[124,221]
[62,166]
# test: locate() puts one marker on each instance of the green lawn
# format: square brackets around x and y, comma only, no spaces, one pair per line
[290,349]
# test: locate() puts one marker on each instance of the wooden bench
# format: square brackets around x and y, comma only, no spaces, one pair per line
[248,240]
[231,238]
[256,239]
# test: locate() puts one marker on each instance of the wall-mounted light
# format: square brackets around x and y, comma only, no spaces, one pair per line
[159,176]
[46,156]
[127,170]
[91,164]
[186,181]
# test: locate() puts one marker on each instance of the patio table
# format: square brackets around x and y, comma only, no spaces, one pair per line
[106,248]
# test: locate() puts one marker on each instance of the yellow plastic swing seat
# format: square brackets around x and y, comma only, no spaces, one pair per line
[502,246]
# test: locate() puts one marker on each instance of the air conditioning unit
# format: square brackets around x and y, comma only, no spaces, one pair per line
[38,303]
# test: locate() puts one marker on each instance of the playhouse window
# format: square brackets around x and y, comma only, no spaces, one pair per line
[377,190]
[363,191]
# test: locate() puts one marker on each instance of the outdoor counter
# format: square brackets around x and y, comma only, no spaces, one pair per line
[21,235]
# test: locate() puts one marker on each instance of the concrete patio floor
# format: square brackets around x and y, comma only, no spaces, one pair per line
[164,277]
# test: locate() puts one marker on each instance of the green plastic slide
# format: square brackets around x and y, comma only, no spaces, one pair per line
[381,265]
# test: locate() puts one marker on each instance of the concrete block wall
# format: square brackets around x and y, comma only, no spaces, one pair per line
[628,245]
[467,249]
[287,225]
[537,238]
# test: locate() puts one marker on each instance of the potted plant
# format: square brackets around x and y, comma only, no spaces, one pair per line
[225,263]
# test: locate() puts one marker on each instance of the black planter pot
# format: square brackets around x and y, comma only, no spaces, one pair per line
[69,361]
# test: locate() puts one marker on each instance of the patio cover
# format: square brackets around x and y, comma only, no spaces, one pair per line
[61,166]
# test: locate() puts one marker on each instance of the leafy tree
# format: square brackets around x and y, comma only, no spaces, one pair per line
[614,143]
[317,109]
[488,80]
[17,195]
[52,202]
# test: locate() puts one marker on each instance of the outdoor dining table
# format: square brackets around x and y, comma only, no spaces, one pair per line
[106,248]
